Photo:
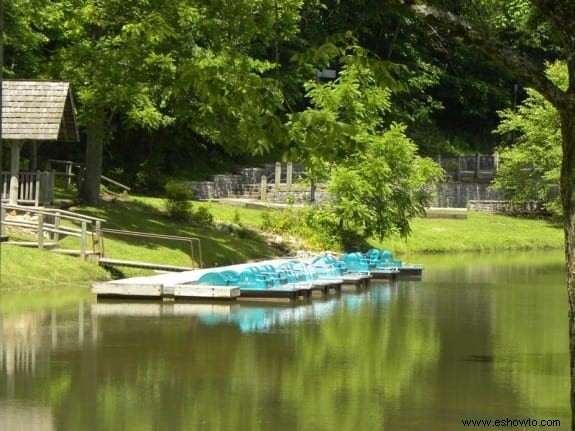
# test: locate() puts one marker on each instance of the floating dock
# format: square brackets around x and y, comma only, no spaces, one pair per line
[182,286]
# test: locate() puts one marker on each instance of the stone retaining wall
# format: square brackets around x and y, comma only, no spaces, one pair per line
[506,207]
[246,182]
[458,194]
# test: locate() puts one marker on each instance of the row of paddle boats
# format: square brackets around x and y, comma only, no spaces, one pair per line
[381,264]
[291,278]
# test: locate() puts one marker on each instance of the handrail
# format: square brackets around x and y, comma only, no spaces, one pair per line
[55,228]
[70,215]
[191,240]
[116,183]
[66,162]
[70,164]
[47,227]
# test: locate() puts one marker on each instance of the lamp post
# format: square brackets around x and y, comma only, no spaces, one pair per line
[326,74]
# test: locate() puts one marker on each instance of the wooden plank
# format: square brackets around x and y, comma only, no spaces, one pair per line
[111,289]
[144,265]
[276,292]
[384,274]
[201,291]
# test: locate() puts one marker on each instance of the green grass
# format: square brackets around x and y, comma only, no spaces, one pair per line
[218,247]
[23,268]
[478,232]
[221,213]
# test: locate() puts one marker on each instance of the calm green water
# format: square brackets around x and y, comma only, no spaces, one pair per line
[480,337]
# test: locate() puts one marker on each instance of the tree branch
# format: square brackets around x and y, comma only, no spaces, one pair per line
[527,71]
[561,16]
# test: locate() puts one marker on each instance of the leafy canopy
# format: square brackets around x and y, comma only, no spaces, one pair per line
[377,181]
[530,166]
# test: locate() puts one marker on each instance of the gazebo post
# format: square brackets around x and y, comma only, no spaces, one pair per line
[34,145]
[14,171]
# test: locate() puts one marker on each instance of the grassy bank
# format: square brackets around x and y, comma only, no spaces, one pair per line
[22,268]
[478,232]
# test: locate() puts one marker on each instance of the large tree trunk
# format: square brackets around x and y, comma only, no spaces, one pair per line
[94,149]
[568,201]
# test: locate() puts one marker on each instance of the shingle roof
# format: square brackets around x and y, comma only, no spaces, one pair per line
[38,110]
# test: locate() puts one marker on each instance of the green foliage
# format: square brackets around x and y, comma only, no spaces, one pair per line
[380,189]
[375,177]
[342,114]
[310,228]
[530,168]
[178,201]
[201,217]
[24,267]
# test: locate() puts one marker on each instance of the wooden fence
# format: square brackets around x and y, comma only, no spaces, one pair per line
[50,225]
[34,188]
[75,171]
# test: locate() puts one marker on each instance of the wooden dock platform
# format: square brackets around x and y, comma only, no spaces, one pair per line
[357,281]
[182,286]
[131,288]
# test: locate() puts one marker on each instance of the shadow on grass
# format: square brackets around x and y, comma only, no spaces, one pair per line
[217,247]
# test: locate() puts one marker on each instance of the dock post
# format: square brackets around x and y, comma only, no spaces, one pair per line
[56,234]
[263,188]
[278,175]
[96,236]
[2,226]
[289,174]
[83,242]
[40,231]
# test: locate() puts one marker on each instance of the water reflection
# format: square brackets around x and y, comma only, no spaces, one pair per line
[480,338]
[25,417]
[247,317]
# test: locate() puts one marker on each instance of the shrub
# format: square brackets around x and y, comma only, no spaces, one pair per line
[202,217]
[178,201]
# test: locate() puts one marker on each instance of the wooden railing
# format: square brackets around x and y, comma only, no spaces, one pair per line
[49,222]
[194,243]
[76,170]
[52,224]
[125,189]
[36,188]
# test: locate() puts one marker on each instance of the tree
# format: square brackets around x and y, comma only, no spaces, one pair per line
[381,188]
[442,75]
[211,66]
[120,62]
[529,169]
[377,181]
[559,17]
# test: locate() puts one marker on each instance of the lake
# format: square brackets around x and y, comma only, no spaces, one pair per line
[480,337]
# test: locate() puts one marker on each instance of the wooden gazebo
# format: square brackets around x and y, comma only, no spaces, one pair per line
[33,112]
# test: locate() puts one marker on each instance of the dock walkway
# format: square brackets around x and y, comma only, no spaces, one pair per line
[182,285]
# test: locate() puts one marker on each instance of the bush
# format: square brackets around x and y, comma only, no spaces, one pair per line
[202,217]
[178,201]
[319,226]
